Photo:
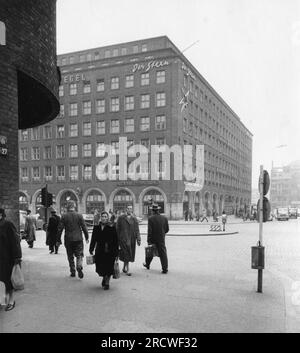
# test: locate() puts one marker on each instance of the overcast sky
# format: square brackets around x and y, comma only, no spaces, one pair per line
[248,50]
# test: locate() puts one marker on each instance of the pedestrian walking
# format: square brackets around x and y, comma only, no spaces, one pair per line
[128,236]
[158,227]
[224,219]
[73,224]
[96,217]
[51,234]
[204,215]
[186,215]
[105,243]
[30,229]
[10,254]
[190,214]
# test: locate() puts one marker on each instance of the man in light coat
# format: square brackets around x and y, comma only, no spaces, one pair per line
[73,224]
[29,229]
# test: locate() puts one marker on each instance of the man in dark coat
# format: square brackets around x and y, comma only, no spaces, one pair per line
[74,225]
[158,226]
[52,229]
[10,254]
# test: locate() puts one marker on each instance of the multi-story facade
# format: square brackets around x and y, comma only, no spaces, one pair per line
[285,186]
[148,92]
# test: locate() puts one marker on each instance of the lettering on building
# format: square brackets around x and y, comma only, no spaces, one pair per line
[150,65]
[73,78]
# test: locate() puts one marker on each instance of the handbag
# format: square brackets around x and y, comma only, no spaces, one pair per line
[151,250]
[90,259]
[17,278]
[116,273]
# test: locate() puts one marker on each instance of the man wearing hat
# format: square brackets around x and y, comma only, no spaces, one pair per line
[158,226]
[29,229]
[52,230]
[73,224]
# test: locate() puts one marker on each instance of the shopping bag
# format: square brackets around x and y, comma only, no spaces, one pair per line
[116,273]
[90,259]
[17,278]
[151,250]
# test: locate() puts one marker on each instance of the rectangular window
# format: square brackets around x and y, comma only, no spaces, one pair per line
[129,103]
[62,111]
[24,154]
[60,131]
[100,106]
[88,57]
[74,130]
[35,153]
[107,54]
[73,89]
[145,123]
[73,172]
[129,125]
[47,152]
[129,81]
[115,147]
[145,79]
[135,49]
[35,133]
[36,173]
[114,104]
[47,132]
[60,151]
[72,60]
[114,127]
[87,108]
[87,87]
[100,149]
[115,52]
[48,173]
[160,99]
[160,122]
[60,172]
[97,55]
[82,58]
[87,129]
[144,47]
[100,127]
[87,150]
[73,109]
[61,91]
[160,141]
[161,76]
[87,172]
[145,142]
[24,135]
[145,101]
[100,85]
[24,174]
[73,152]
[114,83]
[123,51]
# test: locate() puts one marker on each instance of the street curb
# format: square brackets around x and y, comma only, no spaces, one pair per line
[198,235]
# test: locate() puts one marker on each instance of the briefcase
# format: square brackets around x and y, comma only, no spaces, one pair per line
[90,259]
[151,250]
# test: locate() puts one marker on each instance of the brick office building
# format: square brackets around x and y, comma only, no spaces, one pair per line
[148,92]
[29,83]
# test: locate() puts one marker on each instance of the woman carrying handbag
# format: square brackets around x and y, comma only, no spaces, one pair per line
[105,243]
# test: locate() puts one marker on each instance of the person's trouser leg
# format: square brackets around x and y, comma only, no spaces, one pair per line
[70,254]
[162,252]
[78,251]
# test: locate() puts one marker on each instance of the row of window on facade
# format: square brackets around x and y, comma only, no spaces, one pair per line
[102,54]
[87,87]
[86,149]
[144,122]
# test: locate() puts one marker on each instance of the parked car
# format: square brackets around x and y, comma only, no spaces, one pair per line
[283,214]
[293,212]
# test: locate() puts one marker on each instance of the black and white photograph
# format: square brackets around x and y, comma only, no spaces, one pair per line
[149,169]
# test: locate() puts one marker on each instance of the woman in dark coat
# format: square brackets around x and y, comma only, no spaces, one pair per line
[105,239]
[10,254]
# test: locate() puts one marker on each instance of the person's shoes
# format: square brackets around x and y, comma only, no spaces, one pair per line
[164,271]
[80,274]
[73,274]
[51,252]
[103,283]
[147,266]
[106,287]
[123,270]
[56,252]
[10,306]
[128,273]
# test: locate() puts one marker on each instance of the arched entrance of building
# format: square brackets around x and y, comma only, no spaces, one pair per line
[206,203]
[94,200]
[23,201]
[121,200]
[64,198]
[215,202]
[221,204]
[156,197]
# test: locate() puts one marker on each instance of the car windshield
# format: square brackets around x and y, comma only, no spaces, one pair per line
[282,210]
